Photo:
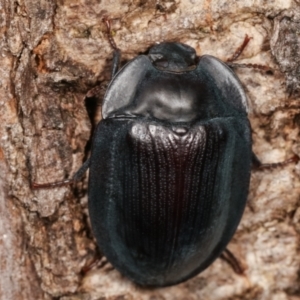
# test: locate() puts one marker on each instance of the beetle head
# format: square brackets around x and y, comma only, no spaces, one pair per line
[173,57]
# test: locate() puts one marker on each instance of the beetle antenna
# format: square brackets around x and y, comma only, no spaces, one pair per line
[117,53]
[111,40]
[240,49]
[238,52]
[252,66]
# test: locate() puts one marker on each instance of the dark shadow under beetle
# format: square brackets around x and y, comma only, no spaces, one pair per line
[170,164]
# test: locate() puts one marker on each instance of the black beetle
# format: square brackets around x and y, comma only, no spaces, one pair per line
[170,164]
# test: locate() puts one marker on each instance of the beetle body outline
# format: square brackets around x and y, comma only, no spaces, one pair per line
[170,165]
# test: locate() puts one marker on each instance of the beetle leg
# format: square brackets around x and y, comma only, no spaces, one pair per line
[232,261]
[82,170]
[257,164]
[117,53]
[76,177]
[93,92]
[96,263]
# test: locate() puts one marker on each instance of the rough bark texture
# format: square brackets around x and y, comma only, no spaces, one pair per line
[52,53]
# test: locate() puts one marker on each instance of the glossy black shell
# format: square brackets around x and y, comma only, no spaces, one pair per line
[170,165]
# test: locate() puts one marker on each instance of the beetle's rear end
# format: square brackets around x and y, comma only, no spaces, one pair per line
[170,178]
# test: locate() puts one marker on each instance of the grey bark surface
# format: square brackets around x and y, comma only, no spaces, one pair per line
[52,54]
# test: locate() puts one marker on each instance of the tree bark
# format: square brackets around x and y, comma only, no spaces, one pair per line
[52,54]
